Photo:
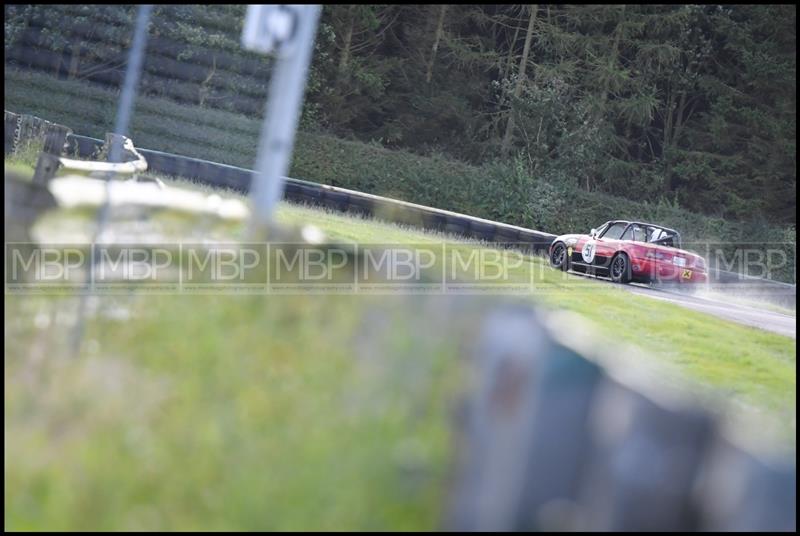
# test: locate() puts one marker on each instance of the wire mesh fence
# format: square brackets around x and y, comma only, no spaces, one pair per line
[200,94]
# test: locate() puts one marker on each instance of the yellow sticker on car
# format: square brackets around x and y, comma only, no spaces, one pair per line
[569,251]
[687,274]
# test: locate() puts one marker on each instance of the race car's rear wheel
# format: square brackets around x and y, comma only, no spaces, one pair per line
[559,258]
[620,269]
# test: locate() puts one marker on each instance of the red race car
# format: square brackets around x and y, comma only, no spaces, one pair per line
[629,251]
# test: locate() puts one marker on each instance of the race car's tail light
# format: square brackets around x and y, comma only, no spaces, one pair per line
[657,255]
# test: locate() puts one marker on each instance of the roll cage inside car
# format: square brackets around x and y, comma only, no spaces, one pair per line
[636,231]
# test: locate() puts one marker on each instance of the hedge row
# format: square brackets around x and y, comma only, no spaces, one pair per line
[500,191]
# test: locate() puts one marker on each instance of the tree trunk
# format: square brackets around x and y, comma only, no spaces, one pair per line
[520,80]
[672,132]
[612,60]
[75,59]
[57,55]
[506,71]
[676,134]
[437,38]
[665,151]
[344,58]
[204,86]
[510,60]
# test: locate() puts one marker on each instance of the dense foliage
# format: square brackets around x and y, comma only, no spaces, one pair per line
[679,104]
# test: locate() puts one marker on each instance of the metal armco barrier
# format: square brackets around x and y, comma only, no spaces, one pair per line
[550,440]
[239,179]
[21,129]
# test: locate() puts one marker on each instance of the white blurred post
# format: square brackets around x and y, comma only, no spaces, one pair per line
[288,31]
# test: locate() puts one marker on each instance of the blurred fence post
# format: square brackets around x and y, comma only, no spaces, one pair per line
[525,435]
[551,441]
[497,431]
[11,131]
[55,138]
[284,104]
[742,493]
[644,463]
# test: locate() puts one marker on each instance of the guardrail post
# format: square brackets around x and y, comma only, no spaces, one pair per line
[115,143]
[11,121]
[54,141]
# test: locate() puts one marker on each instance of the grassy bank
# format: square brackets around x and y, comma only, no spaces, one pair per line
[750,365]
[755,365]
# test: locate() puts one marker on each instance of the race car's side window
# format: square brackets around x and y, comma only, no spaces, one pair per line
[634,233]
[614,232]
[602,229]
[662,237]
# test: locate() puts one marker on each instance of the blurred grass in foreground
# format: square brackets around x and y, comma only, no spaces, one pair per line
[224,412]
